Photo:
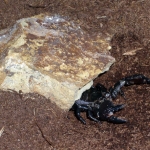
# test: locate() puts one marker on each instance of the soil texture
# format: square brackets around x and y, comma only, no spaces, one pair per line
[32,122]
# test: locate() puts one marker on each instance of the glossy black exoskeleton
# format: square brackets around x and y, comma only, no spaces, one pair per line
[97,102]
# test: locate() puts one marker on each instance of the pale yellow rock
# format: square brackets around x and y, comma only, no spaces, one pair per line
[52,56]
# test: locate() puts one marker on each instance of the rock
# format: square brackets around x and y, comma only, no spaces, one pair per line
[52,56]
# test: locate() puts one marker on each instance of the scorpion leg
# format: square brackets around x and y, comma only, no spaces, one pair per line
[90,115]
[78,107]
[77,114]
[127,81]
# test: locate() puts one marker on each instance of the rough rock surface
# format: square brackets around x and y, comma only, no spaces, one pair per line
[52,56]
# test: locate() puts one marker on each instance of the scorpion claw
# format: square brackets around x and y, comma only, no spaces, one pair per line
[116,120]
[118,107]
[97,101]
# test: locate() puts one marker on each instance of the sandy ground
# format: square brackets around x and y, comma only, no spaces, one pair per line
[31,121]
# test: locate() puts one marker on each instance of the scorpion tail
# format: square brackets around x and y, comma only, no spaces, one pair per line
[136,79]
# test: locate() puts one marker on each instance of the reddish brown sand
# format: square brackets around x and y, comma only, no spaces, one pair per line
[32,122]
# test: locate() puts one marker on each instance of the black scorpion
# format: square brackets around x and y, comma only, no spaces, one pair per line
[97,101]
